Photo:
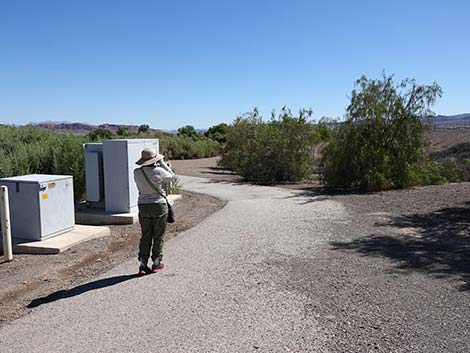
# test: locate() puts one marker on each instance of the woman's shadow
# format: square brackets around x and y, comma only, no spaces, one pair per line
[63,294]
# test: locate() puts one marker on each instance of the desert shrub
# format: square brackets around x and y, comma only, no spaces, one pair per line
[218,132]
[144,128]
[381,143]
[185,147]
[188,131]
[426,172]
[29,150]
[5,165]
[174,187]
[466,169]
[455,170]
[100,134]
[68,159]
[325,128]
[281,149]
[123,131]
[455,162]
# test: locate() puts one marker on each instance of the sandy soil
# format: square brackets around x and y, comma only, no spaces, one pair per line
[203,168]
[443,139]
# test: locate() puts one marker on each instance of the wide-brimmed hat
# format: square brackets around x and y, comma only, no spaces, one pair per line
[149,156]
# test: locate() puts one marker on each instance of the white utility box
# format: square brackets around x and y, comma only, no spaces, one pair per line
[41,206]
[109,168]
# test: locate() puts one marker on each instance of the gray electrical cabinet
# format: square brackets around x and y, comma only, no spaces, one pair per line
[41,206]
[94,177]
[110,172]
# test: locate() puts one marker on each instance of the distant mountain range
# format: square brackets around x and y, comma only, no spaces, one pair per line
[83,128]
[451,118]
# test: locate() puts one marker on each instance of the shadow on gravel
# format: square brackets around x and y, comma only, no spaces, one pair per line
[225,181]
[218,171]
[315,194]
[63,294]
[437,243]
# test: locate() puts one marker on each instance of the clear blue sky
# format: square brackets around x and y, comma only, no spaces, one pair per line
[172,63]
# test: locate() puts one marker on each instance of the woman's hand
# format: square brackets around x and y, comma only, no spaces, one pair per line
[166,165]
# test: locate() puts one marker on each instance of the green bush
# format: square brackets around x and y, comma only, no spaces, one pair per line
[30,150]
[144,128]
[455,162]
[427,172]
[69,160]
[325,128]
[188,131]
[100,134]
[218,132]
[123,131]
[454,170]
[275,151]
[381,143]
[184,147]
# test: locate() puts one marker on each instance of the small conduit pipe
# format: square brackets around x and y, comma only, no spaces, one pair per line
[5,219]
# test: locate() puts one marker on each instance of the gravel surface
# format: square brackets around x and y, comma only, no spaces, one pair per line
[226,287]
[395,276]
[281,270]
[34,276]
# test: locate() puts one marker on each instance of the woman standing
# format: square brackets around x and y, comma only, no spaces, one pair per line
[151,178]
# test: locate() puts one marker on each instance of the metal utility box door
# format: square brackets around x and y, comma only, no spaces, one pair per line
[41,206]
[119,157]
[94,172]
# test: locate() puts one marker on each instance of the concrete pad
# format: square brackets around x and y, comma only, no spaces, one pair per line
[97,216]
[62,242]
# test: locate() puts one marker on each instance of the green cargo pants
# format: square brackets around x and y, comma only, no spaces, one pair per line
[152,218]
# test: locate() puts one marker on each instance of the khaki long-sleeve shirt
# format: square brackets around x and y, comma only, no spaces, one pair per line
[159,176]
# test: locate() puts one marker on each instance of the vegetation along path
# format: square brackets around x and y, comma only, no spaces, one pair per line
[277,270]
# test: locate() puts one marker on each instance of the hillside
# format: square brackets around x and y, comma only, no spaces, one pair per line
[452,122]
[83,129]
[451,118]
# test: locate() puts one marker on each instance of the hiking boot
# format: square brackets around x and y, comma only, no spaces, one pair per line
[144,269]
[157,267]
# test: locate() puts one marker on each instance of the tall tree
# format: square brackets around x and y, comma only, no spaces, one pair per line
[218,132]
[188,131]
[144,128]
[381,144]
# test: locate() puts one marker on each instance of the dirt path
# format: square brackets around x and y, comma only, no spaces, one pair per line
[395,275]
[203,168]
[32,276]
[225,286]
[380,272]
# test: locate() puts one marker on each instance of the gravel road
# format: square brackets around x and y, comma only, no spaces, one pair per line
[225,288]
[275,270]
[32,276]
